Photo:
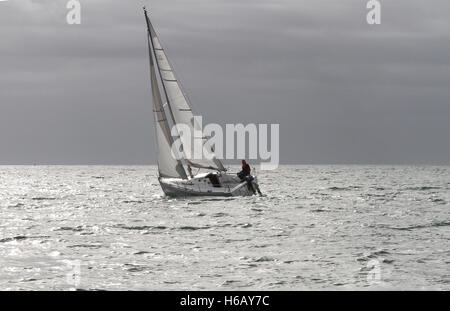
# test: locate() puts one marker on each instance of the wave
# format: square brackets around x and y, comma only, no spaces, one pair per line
[85,246]
[265,259]
[423,188]
[192,228]
[141,253]
[134,268]
[247,225]
[23,237]
[75,229]
[344,188]
[441,224]
[431,225]
[439,201]
[145,227]
[375,255]
[220,214]
[16,238]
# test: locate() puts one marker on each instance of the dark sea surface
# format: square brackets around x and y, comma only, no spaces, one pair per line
[317,227]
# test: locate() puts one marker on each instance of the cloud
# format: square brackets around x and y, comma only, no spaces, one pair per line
[342,91]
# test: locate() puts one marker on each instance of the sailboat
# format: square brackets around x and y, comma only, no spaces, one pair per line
[175,173]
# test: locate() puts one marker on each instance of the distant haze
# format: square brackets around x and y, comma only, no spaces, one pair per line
[342,91]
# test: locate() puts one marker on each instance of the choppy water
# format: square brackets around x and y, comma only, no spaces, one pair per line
[318,227]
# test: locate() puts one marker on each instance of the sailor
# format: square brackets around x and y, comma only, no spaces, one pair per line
[245,170]
[244,175]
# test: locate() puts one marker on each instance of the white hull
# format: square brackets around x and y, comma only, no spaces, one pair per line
[208,184]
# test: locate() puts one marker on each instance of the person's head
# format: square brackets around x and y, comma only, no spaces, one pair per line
[243,162]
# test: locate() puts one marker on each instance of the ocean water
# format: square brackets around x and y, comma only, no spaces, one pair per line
[316,227]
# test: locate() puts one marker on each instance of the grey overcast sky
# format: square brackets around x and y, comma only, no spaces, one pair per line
[342,91]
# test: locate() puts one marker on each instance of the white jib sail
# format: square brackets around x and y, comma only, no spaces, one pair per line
[181,111]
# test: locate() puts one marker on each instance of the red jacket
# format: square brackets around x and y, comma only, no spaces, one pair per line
[246,168]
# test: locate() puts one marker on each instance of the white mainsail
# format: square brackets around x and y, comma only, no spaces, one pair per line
[168,165]
[180,110]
